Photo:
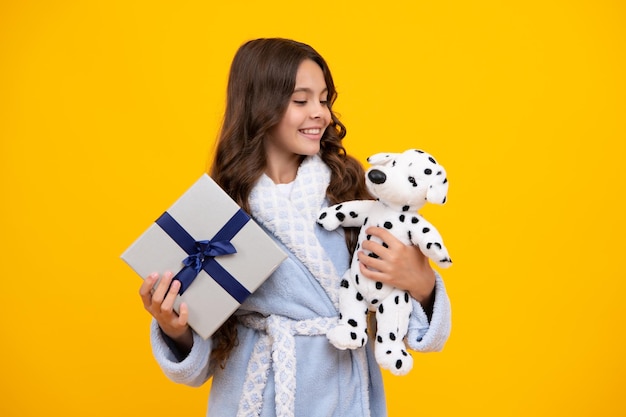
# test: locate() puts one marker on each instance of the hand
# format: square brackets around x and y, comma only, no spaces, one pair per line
[158,300]
[398,265]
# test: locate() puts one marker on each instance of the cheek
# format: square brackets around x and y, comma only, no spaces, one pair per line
[327,116]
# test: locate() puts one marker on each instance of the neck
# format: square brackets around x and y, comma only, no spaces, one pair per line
[283,171]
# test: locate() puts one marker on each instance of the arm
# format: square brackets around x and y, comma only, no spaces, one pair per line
[181,353]
[193,370]
[430,333]
[158,296]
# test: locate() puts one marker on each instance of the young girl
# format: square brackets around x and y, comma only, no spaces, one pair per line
[280,156]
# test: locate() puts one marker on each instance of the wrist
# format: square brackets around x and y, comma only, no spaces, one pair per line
[183,341]
[424,293]
[425,299]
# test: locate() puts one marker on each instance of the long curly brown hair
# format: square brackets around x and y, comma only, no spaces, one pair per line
[260,85]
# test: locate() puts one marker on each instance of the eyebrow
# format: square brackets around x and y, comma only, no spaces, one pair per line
[308,90]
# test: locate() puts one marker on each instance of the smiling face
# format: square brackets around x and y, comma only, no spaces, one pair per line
[301,128]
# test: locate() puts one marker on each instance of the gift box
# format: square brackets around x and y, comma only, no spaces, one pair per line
[213,247]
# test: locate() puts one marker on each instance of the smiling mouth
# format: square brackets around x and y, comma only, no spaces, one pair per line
[315,131]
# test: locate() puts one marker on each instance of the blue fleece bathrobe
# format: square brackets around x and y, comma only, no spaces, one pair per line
[326,381]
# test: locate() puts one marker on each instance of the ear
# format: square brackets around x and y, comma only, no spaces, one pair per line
[438,189]
[380,158]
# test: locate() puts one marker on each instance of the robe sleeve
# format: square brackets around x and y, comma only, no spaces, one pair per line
[192,370]
[425,336]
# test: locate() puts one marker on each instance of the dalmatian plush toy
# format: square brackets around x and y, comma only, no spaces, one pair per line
[402,183]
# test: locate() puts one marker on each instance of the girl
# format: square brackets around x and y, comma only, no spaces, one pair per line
[280,156]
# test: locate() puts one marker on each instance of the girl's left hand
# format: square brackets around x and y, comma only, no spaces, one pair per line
[398,265]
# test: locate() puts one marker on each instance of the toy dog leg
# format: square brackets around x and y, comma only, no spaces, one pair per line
[392,318]
[347,214]
[351,332]
[431,244]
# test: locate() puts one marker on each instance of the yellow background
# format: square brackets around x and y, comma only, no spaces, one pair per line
[109,110]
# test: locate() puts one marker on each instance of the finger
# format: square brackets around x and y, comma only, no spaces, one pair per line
[161,289]
[380,249]
[146,284]
[385,235]
[167,306]
[372,274]
[370,262]
[145,291]
[183,314]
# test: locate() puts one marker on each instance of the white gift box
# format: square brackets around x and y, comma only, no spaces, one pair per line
[213,247]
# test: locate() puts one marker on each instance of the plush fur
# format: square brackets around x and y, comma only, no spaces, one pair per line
[402,184]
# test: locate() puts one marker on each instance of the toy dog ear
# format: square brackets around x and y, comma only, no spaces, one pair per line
[380,158]
[438,189]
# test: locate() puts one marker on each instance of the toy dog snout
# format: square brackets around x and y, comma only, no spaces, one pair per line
[377,176]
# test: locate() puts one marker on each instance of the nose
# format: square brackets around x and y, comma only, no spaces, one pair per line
[377,176]
[319,111]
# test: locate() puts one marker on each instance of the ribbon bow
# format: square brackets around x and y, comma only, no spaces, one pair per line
[201,253]
[205,249]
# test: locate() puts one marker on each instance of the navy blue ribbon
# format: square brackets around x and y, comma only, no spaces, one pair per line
[202,253]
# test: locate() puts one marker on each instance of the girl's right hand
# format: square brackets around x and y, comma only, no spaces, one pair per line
[158,298]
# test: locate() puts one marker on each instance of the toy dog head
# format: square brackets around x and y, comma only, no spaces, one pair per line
[411,178]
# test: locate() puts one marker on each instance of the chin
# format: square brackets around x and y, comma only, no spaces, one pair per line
[310,150]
